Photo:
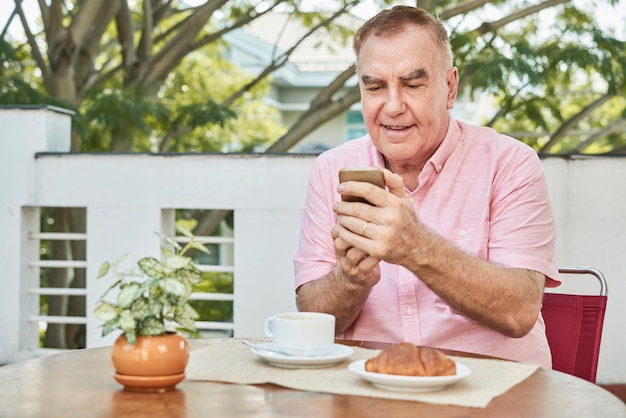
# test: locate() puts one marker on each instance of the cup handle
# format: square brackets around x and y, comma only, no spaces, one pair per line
[268,327]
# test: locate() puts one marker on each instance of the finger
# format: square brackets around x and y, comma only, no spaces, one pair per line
[341,247]
[394,183]
[366,267]
[354,225]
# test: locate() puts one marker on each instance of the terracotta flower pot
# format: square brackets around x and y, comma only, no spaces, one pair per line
[153,363]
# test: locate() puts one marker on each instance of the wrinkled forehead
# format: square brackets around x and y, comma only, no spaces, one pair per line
[414,44]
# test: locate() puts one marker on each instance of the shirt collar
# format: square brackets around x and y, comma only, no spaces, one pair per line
[449,143]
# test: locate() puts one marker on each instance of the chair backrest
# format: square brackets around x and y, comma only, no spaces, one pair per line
[574,326]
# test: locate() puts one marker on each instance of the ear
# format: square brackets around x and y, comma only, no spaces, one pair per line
[452,81]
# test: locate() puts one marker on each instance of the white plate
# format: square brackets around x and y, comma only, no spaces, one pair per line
[409,383]
[337,353]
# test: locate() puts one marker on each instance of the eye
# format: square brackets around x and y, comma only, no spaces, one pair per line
[373,87]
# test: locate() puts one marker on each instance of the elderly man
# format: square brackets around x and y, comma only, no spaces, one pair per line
[456,250]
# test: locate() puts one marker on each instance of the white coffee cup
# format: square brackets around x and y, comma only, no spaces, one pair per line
[301,333]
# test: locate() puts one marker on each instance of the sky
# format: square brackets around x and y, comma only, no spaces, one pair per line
[613,19]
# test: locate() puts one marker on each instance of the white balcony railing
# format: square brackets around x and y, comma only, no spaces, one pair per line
[128,197]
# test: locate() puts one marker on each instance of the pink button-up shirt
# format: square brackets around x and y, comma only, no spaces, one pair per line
[481,190]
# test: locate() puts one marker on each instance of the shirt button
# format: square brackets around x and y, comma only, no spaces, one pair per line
[462,232]
[409,311]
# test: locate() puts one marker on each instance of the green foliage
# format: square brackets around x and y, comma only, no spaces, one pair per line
[18,85]
[214,310]
[154,293]
[199,123]
[544,75]
[543,68]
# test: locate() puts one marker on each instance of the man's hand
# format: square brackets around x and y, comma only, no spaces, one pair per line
[386,230]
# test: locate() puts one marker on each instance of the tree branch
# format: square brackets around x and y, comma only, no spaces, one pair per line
[492,26]
[283,59]
[46,74]
[314,118]
[176,49]
[615,127]
[573,121]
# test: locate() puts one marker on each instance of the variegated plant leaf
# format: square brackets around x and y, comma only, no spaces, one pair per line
[110,326]
[185,226]
[128,294]
[151,266]
[170,241]
[155,307]
[152,326]
[119,260]
[131,336]
[200,247]
[127,322]
[190,275]
[139,309]
[105,312]
[175,262]
[104,269]
[190,311]
[181,316]
[173,287]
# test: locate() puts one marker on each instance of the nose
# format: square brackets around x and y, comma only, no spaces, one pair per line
[395,104]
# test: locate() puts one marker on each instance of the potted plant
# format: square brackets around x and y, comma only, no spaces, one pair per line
[151,304]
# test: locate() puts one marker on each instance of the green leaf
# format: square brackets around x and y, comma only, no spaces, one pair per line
[119,260]
[184,230]
[152,326]
[131,336]
[185,226]
[173,287]
[105,312]
[129,294]
[111,326]
[104,269]
[190,311]
[151,266]
[200,247]
[127,322]
[170,241]
[192,276]
[176,262]
[139,309]
[155,307]
[184,319]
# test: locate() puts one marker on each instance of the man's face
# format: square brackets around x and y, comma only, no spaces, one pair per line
[406,92]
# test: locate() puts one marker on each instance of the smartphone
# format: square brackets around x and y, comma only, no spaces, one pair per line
[369,174]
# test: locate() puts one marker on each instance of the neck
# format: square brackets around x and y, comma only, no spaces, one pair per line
[409,172]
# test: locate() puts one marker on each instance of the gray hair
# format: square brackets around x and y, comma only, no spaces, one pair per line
[398,18]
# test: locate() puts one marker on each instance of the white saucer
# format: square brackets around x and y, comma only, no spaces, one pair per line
[409,383]
[336,354]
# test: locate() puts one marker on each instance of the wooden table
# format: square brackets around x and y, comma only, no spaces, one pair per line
[79,384]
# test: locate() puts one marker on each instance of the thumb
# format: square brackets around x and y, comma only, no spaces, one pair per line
[394,183]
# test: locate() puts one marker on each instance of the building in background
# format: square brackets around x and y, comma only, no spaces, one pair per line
[311,67]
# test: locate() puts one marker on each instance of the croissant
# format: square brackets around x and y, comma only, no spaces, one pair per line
[409,360]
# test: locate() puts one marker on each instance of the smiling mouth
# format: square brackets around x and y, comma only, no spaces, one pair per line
[396,127]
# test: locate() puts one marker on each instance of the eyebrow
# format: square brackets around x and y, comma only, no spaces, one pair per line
[413,75]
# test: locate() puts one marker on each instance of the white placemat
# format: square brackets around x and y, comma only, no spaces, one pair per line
[228,360]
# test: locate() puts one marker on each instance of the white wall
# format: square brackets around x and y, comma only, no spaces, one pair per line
[125,196]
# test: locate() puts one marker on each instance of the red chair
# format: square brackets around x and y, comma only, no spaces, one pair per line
[574,326]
